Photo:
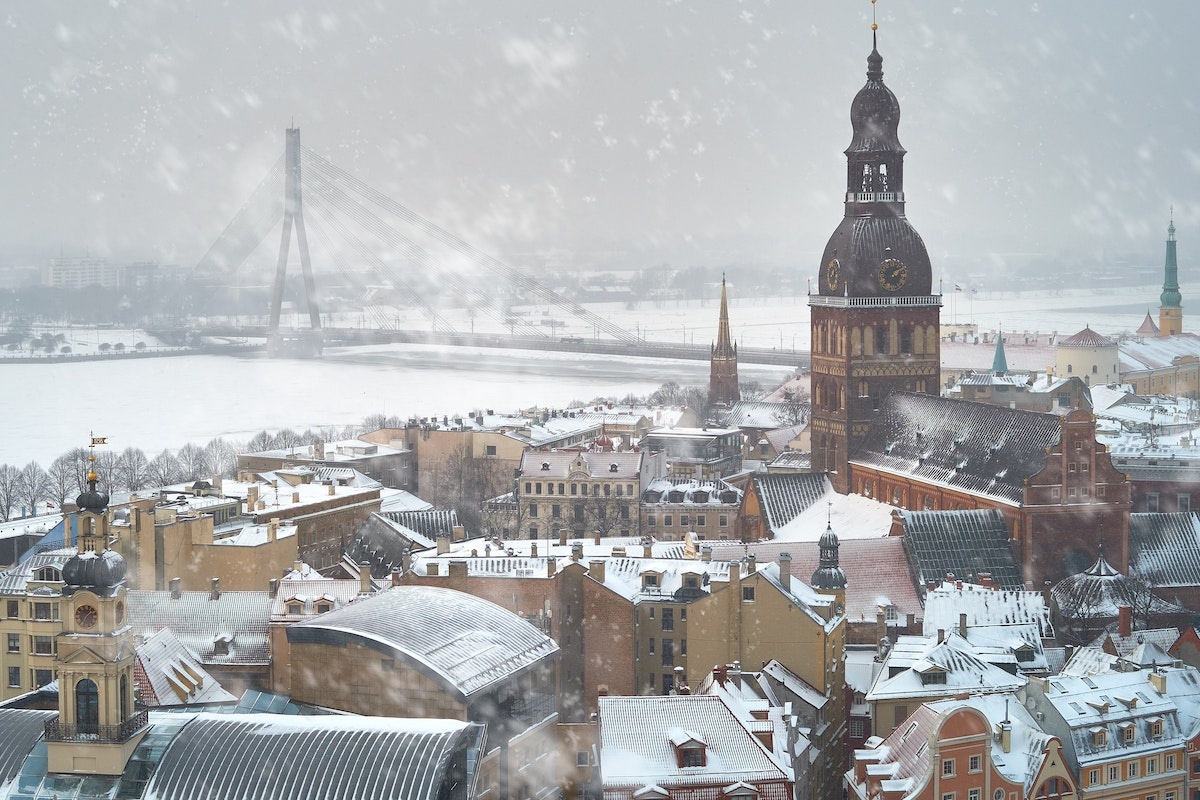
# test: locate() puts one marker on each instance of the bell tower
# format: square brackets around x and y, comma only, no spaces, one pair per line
[1170,308]
[875,318]
[97,728]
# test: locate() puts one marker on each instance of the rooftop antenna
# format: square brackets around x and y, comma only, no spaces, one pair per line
[1006,709]
[829,503]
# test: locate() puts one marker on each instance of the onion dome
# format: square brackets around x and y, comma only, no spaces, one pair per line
[829,576]
[875,112]
[91,500]
[104,570]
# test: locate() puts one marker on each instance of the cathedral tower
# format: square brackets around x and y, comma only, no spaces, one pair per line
[1170,309]
[97,727]
[874,316]
[723,388]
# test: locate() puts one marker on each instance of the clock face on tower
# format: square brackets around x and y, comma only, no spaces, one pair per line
[85,617]
[833,274]
[892,274]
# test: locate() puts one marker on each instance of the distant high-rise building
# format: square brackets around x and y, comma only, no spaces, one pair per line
[76,273]
[723,377]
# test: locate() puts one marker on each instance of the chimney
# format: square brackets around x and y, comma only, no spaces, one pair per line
[431,569]
[296,498]
[298,566]
[596,569]
[273,587]
[251,497]
[551,567]
[751,563]
[1158,680]
[261,505]
[576,551]
[785,571]
[214,592]
[1125,621]
[719,675]
[706,553]
[176,593]
[458,568]
[395,576]
[217,482]
[443,544]
[880,624]
[962,624]
[458,533]
[332,492]
[1005,735]
[562,537]
[941,635]
[364,578]
[596,537]
[272,530]
[533,549]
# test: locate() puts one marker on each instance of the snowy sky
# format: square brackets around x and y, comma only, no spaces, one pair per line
[705,132]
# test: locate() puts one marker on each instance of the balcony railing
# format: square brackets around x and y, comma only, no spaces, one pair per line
[57,731]
[874,197]
[874,302]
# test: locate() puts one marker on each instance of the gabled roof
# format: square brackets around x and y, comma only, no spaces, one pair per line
[978,448]
[557,464]
[462,642]
[1164,548]
[985,607]
[428,524]
[197,620]
[962,543]
[965,671]
[167,674]
[636,751]
[14,580]
[1158,352]
[1111,641]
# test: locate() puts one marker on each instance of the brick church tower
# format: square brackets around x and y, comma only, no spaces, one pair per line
[723,388]
[874,316]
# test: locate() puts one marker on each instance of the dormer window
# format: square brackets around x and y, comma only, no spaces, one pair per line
[545,466]
[1156,728]
[1099,737]
[612,467]
[1127,732]
[690,748]
[324,608]
[295,609]
[650,580]
[49,575]
[221,646]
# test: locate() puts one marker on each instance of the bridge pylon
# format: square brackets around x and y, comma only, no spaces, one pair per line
[307,343]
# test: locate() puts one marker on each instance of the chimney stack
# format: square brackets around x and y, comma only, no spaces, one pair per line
[596,537]
[785,571]
[533,549]
[562,537]
[332,492]
[596,569]
[295,498]
[1125,621]
[272,530]
[458,533]
[273,587]
[751,563]
[962,624]
[214,592]
[395,576]
[576,551]
[364,578]
[443,544]
[706,553]
[176,593]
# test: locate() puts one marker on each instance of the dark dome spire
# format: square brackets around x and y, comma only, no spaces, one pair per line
[829,575]
[875,112]
[97,571]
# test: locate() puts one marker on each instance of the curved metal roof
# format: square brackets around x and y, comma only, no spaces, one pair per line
[269,756]
[464,643]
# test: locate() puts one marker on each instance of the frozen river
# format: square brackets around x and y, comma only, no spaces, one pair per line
[166,402]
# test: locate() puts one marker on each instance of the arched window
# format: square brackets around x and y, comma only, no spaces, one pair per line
[906,345]
[1069,369]
[919,341]
[87,706]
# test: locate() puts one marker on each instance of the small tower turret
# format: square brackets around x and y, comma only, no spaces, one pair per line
[1170,308]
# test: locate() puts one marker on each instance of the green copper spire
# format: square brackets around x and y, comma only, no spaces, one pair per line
[1170,297]
[999,362]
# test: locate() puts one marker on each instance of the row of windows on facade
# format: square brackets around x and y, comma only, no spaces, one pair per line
[685,520]
[1183,502]
[867,489]
[578,512]
[38,678]
[42,611]
[667,651]
[622,489]
[831,395]
[871,340]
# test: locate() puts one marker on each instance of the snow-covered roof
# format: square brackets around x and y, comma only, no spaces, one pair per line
[255,535]
[1087,338]
[985,607]
[1158,352]
[167,674]
[560,464]
[238,619]
[400,500]
[965,543]
[690,491]
[636,751]
[799,507]
[964,669]
[1164,548]
[466,644]
[1100,591]
[764,414]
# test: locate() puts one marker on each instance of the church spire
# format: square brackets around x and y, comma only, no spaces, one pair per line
[1170,308]
[999,362]
[723,375]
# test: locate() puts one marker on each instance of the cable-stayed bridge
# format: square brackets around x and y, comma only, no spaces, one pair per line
[372,240]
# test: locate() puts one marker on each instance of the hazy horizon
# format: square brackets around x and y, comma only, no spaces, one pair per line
[644,132]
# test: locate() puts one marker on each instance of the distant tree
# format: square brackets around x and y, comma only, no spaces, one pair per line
[77,457]
[287,438]
[163,470]
[119,347]
[105,347]
[220,456]
[10,489]
[191,462]
[463,482]
[140,346]
[751,390]
[669,394]
[132,467]
[106,469]
[374,422]
[261,441]
[64,481]
[793,409]
[33,486]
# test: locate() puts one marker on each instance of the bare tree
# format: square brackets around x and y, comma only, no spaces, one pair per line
[77,457]
[163,470]
[10,488]
[260,442]
[33,487]
[106,470]
[131,469]
[220,457]
[64,479]
[463,482]
[191,461]
[793,408]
